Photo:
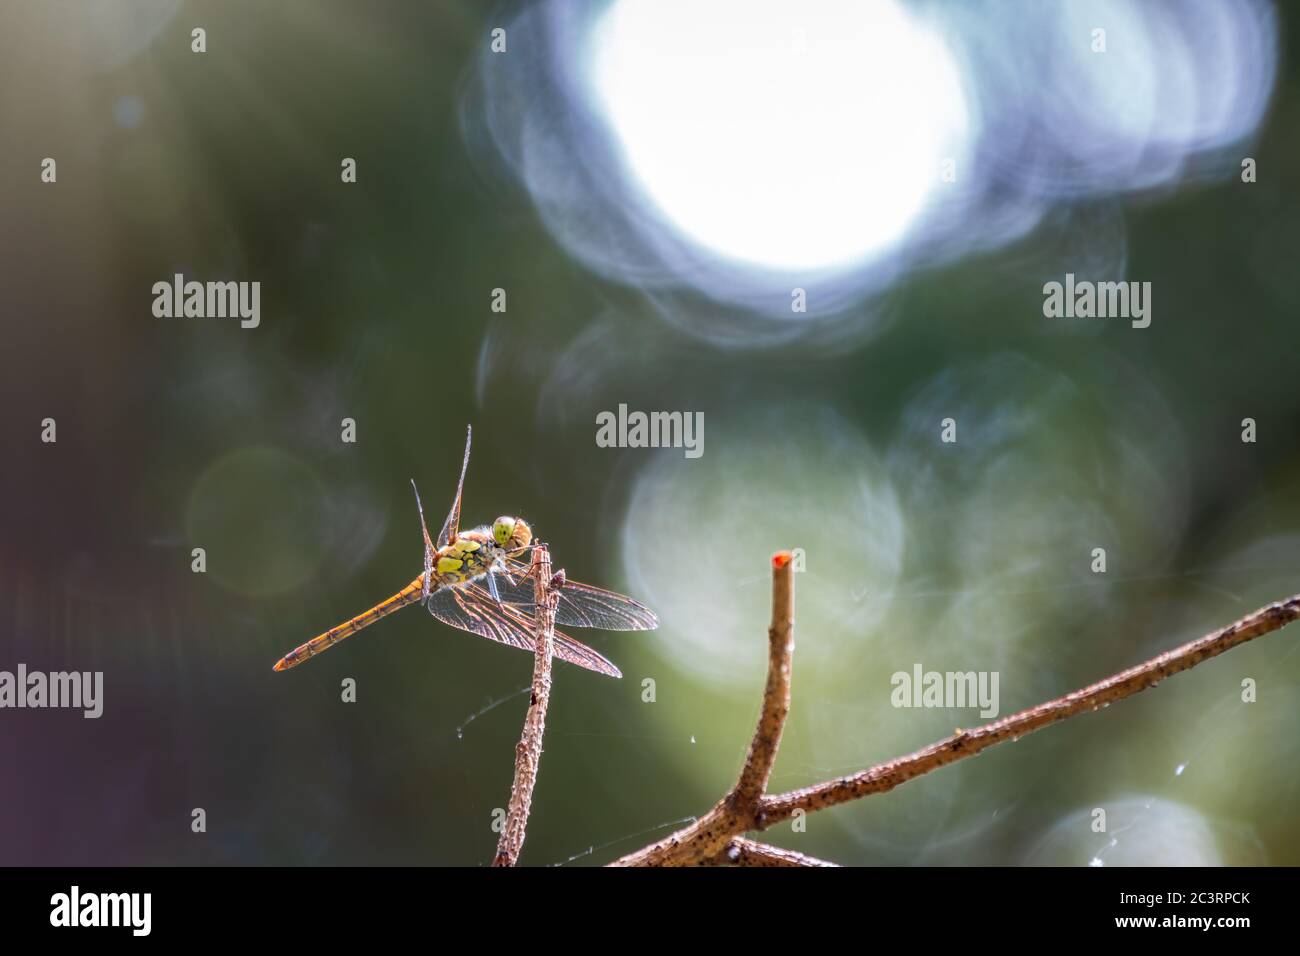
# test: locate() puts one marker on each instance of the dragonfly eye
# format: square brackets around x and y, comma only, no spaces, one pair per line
[502,530]
[522,535]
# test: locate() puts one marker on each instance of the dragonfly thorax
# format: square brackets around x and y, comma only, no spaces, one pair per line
[472,555]
[481,551]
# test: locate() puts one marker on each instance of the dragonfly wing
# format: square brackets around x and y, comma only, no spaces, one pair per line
[580,605]
[428,545]
[451,526]
[470,608]
[584,605]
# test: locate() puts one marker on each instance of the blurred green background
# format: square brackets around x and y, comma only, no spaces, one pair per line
[375,305]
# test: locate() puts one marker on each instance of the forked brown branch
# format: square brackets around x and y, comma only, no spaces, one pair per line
[717,838]
[528,752]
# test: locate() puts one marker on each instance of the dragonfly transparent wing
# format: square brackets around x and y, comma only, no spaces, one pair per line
[580,605]
[451,526]
[428,545]
[470,607]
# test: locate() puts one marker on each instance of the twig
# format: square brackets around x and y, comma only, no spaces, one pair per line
[528,752]
[776,695]
[744,852]
[705,841]
[717,837]
[967,743]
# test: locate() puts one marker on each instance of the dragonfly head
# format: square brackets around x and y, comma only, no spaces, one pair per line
[513,534]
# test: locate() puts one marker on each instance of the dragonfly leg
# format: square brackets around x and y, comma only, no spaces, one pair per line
[557,579]
[492,586]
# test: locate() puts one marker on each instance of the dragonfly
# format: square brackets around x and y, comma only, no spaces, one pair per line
[479,581]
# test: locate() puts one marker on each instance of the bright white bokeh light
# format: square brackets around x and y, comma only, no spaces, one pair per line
[785,135]
[1140,831]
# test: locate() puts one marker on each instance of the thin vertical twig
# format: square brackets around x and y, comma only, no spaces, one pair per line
[706,841]
[528,752]
[776,695]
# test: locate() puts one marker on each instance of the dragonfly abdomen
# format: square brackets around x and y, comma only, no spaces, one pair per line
[408,595]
